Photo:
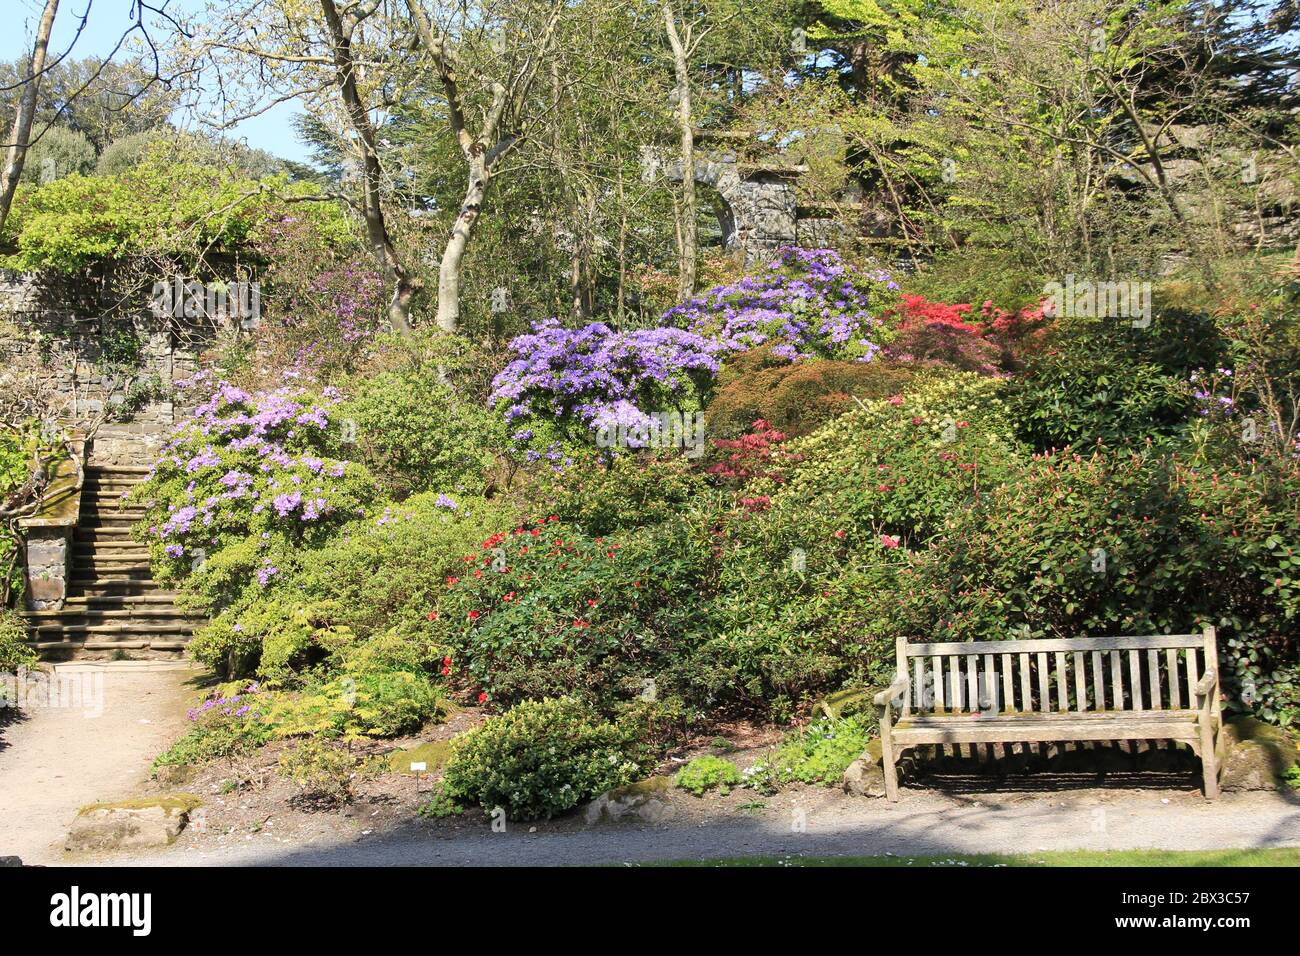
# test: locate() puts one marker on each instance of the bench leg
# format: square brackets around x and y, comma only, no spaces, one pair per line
[890,768]
[1209,762]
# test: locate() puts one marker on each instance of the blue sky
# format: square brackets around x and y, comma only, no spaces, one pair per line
[272,131]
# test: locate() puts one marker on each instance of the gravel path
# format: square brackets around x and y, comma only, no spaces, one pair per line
[112,720]
[56,759]
[923,824]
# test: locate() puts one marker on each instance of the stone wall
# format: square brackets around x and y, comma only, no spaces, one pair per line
[59,327]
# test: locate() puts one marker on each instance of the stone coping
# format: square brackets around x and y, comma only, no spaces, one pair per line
[61,507]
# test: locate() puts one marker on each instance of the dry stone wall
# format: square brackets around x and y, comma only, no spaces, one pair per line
[63,328]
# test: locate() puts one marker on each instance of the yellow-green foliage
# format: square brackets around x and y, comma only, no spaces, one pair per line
[707,773]
[162,207]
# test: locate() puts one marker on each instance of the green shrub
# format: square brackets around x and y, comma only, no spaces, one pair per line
[1102,380]
[321,771]
[900,465]
[1127,544]
[541,758]
[632,491]
[417,434]
[15,652]
[351,706]
[708,773]
[367,590]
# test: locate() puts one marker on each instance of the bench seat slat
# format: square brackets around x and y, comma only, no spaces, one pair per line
[1098,682]
[1080,684]
[1135,678]
[1153,669]
[1117,681]
[1044,692]
[1175,691]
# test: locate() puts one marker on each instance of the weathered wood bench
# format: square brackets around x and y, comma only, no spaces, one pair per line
[1052,690]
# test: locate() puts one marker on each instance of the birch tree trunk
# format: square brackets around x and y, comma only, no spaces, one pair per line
[22,128]
[689,241]
[449,269]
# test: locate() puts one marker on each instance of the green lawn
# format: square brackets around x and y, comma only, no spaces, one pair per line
[1287,856]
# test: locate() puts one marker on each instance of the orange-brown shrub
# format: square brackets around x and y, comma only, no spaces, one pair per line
[794,398]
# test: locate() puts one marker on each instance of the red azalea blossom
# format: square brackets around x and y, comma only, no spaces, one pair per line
[592,602]
[433,615]
[452,580]
[482,697]
[888,541]
[473,615]
[580,623]
[508,597]
[839,535]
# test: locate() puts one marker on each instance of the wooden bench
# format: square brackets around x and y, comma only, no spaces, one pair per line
[1152,687]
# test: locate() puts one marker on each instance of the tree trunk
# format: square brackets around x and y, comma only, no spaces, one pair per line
[689,243]
[404,284]
[22,129]
[453,256]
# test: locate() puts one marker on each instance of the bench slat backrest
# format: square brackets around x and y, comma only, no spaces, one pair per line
[1056,675]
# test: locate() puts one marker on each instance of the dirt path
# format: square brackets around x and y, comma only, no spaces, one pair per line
[110,722]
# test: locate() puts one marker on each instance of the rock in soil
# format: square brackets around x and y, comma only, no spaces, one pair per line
[131,824]
[1254,755]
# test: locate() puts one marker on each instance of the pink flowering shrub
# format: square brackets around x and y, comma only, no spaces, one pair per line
[248,469]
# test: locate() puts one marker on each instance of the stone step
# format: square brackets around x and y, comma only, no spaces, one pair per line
[92,562]
[163,644]
[110,523]
[86,615]
[82,581]
[102,549]
[174,628]
[159,597]
[136,588]
[118,469]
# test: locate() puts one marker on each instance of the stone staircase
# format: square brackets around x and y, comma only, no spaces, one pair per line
[114,609]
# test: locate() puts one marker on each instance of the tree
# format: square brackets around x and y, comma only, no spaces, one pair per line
[526,36]
[22,127]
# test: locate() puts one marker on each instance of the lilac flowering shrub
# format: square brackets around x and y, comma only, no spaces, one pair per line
[807,303]
[565,384]
[251,473]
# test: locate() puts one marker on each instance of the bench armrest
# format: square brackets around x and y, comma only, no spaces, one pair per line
[1206,683]
[893,690]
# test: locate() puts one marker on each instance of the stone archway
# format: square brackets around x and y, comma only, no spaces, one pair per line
[761,213]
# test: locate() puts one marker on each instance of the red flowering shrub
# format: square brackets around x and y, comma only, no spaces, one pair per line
[757,454]
[543,610]
[985,340]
